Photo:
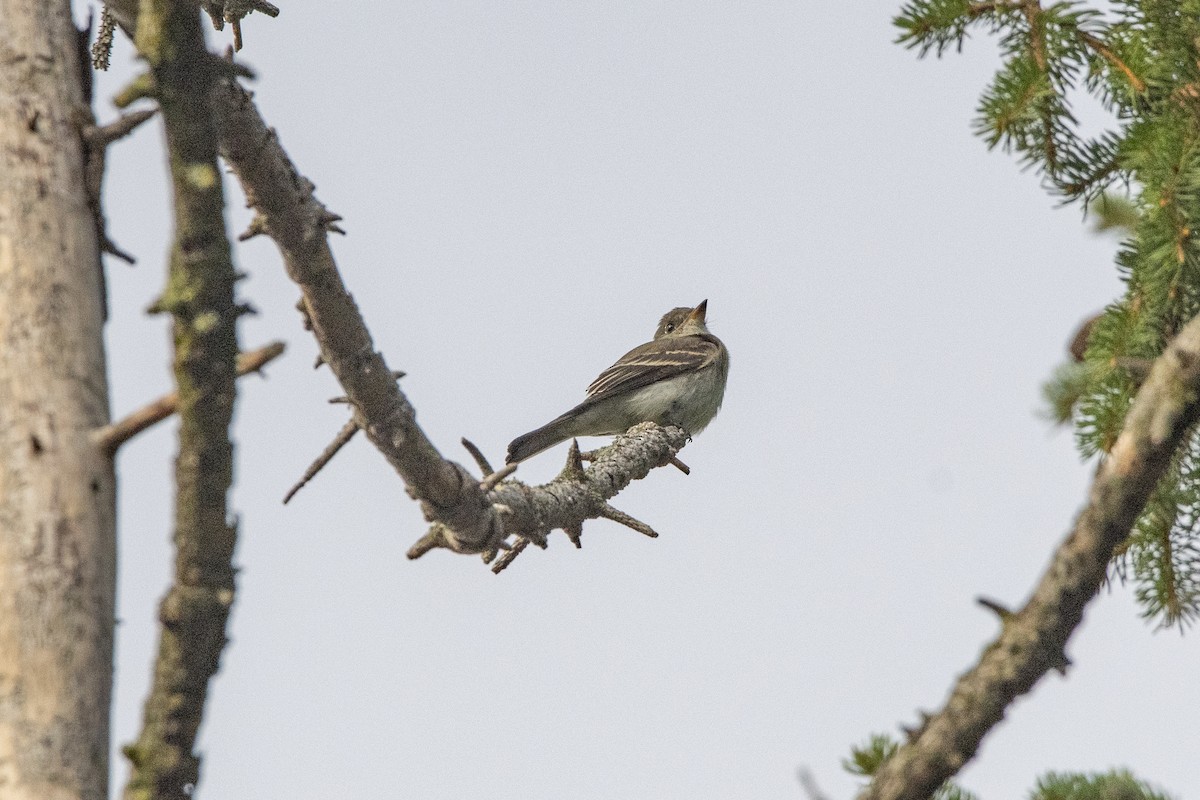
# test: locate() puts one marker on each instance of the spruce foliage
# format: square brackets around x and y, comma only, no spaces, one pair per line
[1141,60]
[1116,785]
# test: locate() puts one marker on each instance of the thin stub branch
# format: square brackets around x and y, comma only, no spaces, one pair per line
[489,483]
[997,608]
[343,437]
[518,546]
[679,465]
[485,466]
[616,515]
[111,437]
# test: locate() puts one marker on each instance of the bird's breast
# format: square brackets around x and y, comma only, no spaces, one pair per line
[690,400]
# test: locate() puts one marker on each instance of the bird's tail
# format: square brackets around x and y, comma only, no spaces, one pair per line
[534,442]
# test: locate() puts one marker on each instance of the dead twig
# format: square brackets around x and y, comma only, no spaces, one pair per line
[343,437]
[111,437]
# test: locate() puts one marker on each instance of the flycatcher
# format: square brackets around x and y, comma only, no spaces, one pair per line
[678,378]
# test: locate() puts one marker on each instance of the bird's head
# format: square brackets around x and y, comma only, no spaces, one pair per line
[683,321]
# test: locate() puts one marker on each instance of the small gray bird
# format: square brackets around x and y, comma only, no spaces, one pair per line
[678,378]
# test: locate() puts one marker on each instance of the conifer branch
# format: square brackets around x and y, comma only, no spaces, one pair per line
[1082,184]
[1032,640]
[1108,55]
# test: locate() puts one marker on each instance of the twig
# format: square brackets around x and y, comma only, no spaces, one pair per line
[102,48]
[809,784]
[1000,610]
[616,515]
[343,437]
[1103,50]
[978,9]
[96,141]
[489,483]
[1032,640]
[111,437]
[1032,9]
[508,557]
[119,128]
[485,466]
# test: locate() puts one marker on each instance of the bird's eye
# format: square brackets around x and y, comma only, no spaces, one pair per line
[670,327]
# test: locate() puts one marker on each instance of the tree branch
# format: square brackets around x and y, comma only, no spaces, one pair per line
[111,437]
[200,297]
[577,494]
[297,221]
[1105,52]
[341,440]
[1032,640]
[466,517]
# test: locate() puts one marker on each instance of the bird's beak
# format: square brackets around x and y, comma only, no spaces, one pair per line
[698,312]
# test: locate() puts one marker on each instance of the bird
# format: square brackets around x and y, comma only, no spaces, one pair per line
[677,378]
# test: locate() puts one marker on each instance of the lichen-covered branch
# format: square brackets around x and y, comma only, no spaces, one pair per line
[577,494]
[1032,640]
[200,297]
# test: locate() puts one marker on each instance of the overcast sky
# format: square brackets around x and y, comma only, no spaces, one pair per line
[527,187]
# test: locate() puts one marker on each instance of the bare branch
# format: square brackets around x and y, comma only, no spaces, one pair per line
[96,140]
[1032,640]
[101,52]
[111,437]
[576,495]
[679,465]
[616,515]
[341,440]
[485,466]
[808,783]
[122,126]
[200,296]
[297,221]
[508,557]
[489,483]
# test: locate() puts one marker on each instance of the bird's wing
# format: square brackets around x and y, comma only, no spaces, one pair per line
[655,361]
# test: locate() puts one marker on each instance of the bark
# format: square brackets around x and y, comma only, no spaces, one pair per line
[200,298]
[57,507]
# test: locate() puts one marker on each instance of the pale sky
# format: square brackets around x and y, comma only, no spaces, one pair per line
[527,187]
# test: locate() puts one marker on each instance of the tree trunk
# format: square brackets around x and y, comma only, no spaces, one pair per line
[57,498]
